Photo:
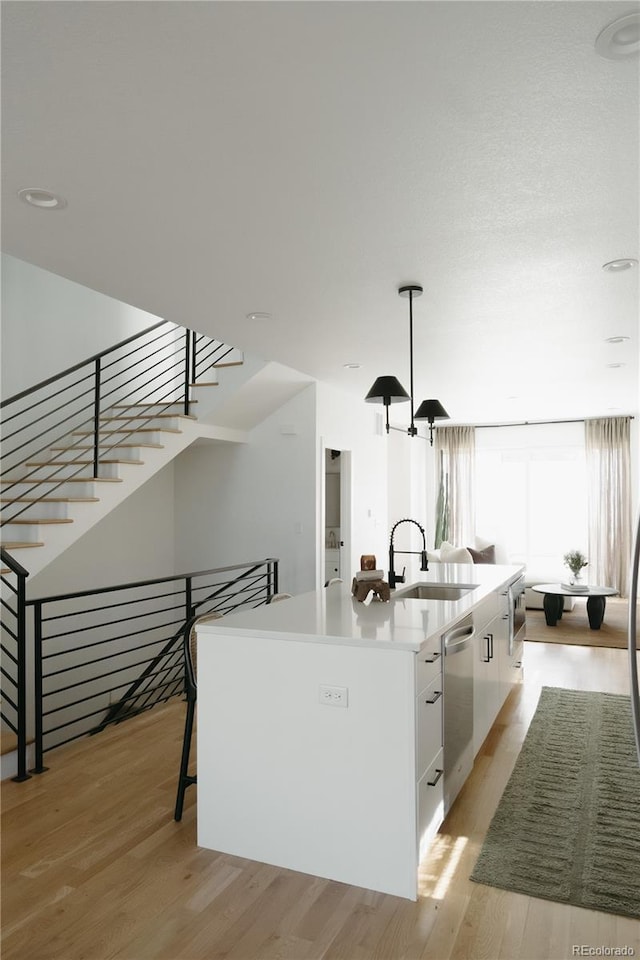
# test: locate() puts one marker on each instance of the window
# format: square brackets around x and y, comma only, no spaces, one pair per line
[531,495]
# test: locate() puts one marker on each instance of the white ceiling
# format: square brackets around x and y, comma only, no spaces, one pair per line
[307,158]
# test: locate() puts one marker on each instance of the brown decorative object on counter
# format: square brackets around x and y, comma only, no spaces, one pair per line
[368,561]
[362,588]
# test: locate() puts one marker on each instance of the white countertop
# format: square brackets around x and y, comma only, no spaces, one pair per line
[333,615]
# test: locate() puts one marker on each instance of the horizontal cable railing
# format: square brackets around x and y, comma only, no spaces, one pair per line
[68,428]
[104,655]
[13,643]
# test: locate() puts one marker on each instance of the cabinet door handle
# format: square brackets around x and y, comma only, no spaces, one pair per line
[436,696]
[490,646]
[432,783]
[434,657]
[487,658]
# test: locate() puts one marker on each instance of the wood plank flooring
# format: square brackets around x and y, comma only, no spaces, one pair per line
[94,867]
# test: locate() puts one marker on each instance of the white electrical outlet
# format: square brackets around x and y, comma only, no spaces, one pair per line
[334,696]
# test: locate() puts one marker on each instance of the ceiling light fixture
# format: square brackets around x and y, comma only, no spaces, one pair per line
[614,366]
[616,339]
[389,390]
[351,366]
[617,266]
[258,315]
[43,199]
[620,39]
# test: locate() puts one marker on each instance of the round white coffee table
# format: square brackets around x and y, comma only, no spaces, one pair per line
[554,594]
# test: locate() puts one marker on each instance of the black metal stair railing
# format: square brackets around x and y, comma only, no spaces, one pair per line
[13,643]
[94,406]
[102,656]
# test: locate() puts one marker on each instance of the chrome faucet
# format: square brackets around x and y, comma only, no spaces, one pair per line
[399,577]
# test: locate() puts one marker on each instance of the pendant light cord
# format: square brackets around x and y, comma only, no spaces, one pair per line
[412,429]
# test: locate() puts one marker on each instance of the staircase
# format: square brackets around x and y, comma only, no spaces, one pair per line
[76,445]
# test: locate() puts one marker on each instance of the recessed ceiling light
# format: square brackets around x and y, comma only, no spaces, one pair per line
[352,366]
[616,339]
[258,315]
[617,266]
[44,199]
[620,39]
[614,366]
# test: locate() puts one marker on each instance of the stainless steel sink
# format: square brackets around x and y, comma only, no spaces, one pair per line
[435,591]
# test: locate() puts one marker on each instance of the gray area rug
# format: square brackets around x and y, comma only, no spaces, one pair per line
[567,827]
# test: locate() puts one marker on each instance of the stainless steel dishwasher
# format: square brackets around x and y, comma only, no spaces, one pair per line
[458,707]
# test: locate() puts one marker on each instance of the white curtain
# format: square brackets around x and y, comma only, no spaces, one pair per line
[456,458]
[608,456]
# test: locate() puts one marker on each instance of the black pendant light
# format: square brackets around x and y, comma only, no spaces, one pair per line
[389,390]
[431,410]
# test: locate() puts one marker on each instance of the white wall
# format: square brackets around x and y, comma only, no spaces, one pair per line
[247,502]
[67,323]
[133,542]
[411,485]
[238,503]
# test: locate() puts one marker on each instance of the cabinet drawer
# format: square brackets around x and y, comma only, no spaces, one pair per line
[429,664]
[485,611]
[429,724]
[430,803]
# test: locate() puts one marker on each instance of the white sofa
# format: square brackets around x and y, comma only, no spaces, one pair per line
[487,552]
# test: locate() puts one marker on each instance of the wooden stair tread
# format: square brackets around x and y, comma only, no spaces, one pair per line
[230,363]
[13,480]
[49,499]
[79,463]
[41,520]
[204,384]
[108,433]
[148,406]
[116,446]
[152,416]
[19,545]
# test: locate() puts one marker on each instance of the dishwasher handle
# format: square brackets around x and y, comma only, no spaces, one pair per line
[458,640]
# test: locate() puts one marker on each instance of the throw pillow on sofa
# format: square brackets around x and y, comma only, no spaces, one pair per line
[487,555]
[451,554]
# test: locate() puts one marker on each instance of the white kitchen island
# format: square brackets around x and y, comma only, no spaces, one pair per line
[320,729]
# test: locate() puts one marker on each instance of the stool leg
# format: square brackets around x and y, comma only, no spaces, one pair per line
[184,779]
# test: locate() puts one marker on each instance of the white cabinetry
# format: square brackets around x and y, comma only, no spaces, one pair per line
[486,683]
[365,793]
[429,744]
[495,669]
[331,564]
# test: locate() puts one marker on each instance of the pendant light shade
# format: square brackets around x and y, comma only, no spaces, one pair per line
[389,390]
[431,410]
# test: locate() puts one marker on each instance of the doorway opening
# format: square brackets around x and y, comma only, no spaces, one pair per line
[336,513]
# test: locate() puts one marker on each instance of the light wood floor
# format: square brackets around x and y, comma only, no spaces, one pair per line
[94,866]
